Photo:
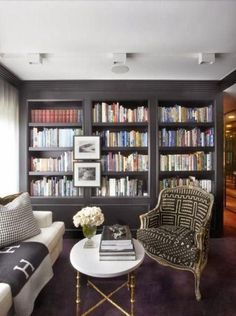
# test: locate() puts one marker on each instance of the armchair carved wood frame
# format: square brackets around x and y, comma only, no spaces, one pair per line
[176,232]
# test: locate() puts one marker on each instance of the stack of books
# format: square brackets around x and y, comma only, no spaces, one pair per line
[116,244]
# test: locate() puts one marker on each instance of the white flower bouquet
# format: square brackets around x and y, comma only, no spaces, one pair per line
[90,215]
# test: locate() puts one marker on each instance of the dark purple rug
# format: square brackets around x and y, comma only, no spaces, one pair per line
[160,291]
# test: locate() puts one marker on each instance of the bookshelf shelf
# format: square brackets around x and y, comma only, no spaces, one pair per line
[59,199]
[50,173]
[185,149]
[125,148]
[55,125]
[209,174]
[123,124]
[124,173]
[122,199]
[50,149]
[186,124]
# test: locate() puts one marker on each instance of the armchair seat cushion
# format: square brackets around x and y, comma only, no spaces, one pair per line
[174,244]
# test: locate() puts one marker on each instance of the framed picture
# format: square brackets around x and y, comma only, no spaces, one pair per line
[86,147]
[87,174]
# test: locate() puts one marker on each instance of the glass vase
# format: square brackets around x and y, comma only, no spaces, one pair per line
[89,231]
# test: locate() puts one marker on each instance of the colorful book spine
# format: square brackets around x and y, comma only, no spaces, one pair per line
[116,113]
[62,115]
[180,113]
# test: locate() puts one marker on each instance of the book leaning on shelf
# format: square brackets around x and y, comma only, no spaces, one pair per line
[116,244]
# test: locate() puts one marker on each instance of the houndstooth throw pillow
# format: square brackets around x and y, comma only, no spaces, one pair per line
[17,221]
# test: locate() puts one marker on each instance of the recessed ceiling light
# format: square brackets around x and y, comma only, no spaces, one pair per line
[119,60]
[229,125]
[227,131]
[231,116]
[119,69]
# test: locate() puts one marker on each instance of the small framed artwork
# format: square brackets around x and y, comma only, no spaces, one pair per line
[86,147]
[87,174]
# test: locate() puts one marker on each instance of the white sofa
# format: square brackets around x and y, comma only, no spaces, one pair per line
[52,236]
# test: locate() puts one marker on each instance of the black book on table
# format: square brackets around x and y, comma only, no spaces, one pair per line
[110,236]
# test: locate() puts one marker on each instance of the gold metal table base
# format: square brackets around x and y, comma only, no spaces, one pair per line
[130,283]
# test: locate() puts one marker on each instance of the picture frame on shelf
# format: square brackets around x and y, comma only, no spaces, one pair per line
[86,147]
[87,174]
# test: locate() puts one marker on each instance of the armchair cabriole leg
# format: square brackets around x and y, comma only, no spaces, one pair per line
[197,276]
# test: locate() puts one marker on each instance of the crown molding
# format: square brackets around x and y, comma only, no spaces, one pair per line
[228,81]
[9,76]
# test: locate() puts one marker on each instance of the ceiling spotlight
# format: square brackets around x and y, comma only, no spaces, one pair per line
[35,59]
[206,58]
[119,60]
[231,116]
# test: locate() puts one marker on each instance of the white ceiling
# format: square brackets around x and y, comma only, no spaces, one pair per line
[162,38]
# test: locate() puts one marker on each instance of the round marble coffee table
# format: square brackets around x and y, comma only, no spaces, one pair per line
[86,261]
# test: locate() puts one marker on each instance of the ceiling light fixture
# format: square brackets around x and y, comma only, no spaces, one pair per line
[231,116]
[119,60]
[228,125]
[206,58]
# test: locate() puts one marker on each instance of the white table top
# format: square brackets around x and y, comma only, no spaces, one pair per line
[86,260]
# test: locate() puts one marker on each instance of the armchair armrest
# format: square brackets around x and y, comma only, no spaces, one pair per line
[202,234]
[202,242]
[150,219]
[43,218]
[199,237]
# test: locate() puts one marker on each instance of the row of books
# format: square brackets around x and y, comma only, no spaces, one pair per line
[114,113]
[53,137]
[183,137]
[116,244]
[121,187]
[118,162]
[56,115]
[180,113]
[123,138]
[54,186]
[187,162]
[63,163]
[174,182]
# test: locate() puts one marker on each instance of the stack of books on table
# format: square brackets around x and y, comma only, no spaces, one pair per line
[116,244]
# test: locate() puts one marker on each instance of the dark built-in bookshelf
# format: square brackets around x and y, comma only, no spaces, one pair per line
[153,135]
[186,143]
[52,127]
[123,129]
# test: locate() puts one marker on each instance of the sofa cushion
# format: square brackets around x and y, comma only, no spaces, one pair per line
[17,222]
[175,244]
[50,236]
[9,198]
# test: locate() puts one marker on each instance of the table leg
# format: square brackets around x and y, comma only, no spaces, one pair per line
[77,294]
[128,282]
[132,288]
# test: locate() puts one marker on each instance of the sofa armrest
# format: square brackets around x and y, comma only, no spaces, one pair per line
[43,218]
[5,299]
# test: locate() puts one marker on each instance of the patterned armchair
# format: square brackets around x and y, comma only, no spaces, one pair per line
[176,232]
